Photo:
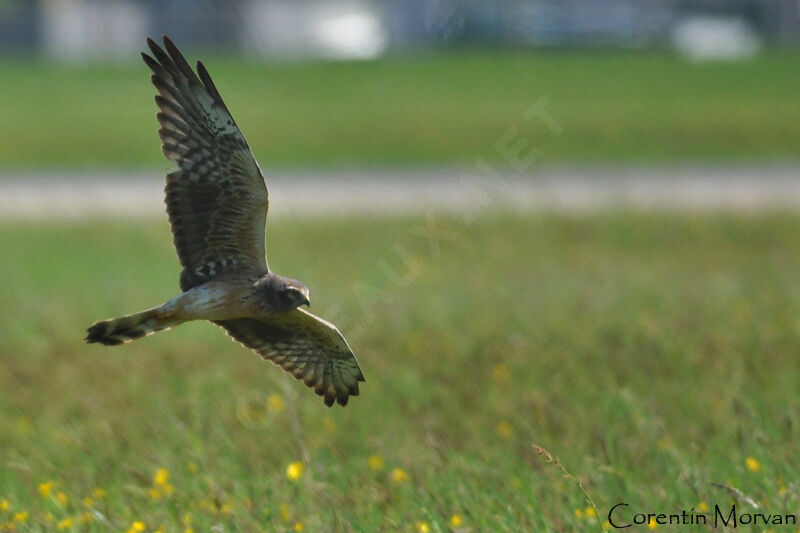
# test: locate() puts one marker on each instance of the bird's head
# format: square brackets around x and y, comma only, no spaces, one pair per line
[279,294]
[297,293]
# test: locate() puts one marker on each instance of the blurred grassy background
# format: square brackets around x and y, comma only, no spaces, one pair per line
[653,353]
[430,109]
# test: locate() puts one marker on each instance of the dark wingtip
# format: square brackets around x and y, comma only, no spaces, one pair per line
[205,77]
[167,41]
[151,63]
[342,396]
[152,45]
[172,50]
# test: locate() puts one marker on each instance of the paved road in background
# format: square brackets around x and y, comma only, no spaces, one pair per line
[308,193]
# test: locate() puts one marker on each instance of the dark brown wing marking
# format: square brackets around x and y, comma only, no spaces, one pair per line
[306,346]
[217,200]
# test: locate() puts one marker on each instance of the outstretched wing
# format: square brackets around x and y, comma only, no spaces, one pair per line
[308,347]
[217,200]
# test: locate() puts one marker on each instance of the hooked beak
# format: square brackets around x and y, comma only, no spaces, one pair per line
[307,300]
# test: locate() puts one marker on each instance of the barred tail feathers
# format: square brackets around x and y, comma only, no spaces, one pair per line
[128,328]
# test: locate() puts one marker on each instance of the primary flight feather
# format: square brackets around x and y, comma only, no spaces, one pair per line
[217,205]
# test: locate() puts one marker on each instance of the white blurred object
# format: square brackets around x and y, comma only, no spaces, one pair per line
[86,30]
[330,29]
[350,35]
[709,38]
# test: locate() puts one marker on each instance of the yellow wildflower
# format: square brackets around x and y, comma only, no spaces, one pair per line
[138,526]
[606,525]
[398,475]
[504,429]
[155,493]
[62,498]
[188,530]
[501,373]
[99,494]
[578,513]
[4,505]
[285,513]
[187,519]
[85,518]
[298,526]
[275,403]
[65,524]
[456,520]
[752,464]
[88,501]
[423,527]
[702,507]
[226,509]
[375,462]
[652,524]
[45,489]
[294,470]
[589,512]
[161,477]
[21,517]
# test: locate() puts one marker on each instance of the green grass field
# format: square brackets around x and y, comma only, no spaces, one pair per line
[434,109]
[653,354]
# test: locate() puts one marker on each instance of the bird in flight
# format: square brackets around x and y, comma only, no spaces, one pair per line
[217,205]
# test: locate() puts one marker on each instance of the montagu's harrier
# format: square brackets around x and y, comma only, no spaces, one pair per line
[217,207]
